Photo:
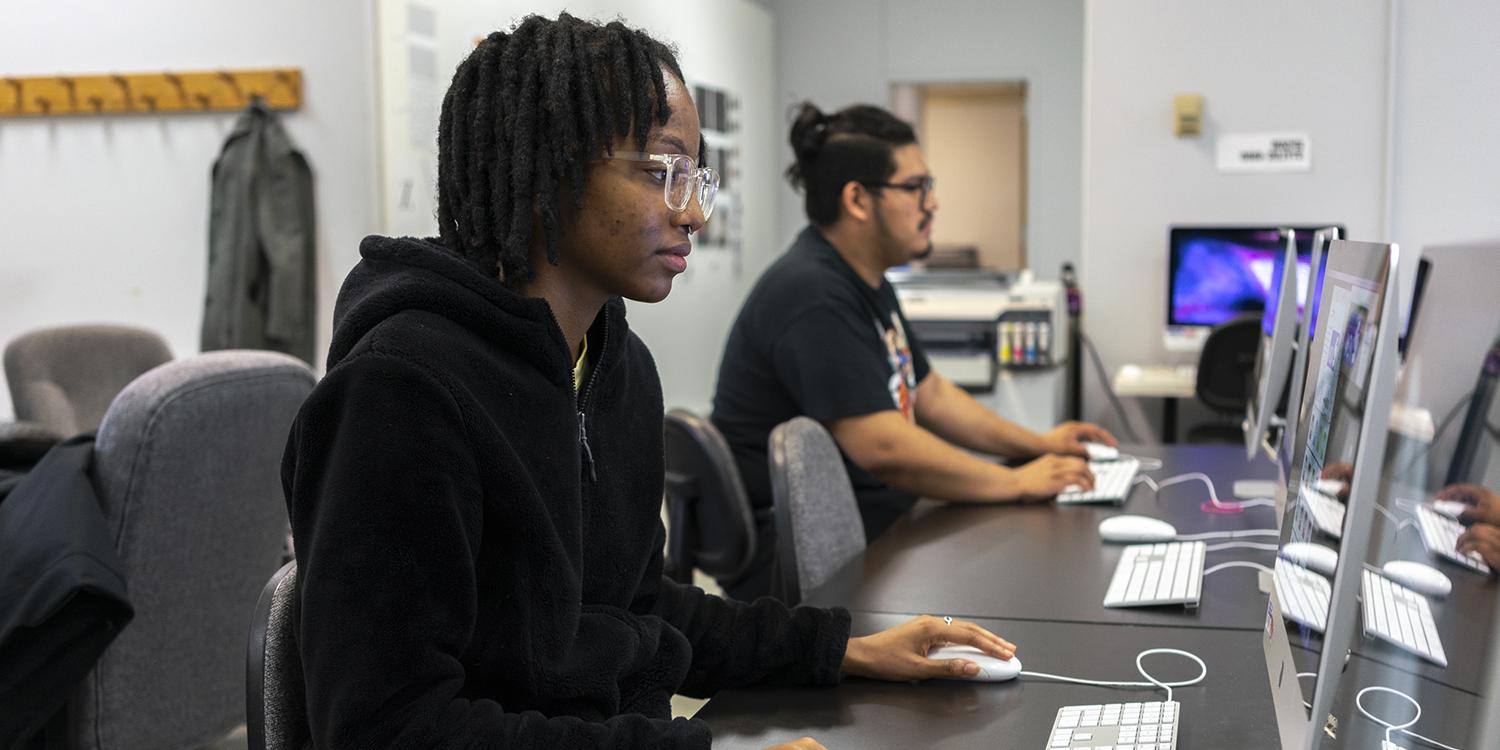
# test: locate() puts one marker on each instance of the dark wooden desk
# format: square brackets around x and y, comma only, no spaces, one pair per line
[1230,709]
[1046,562]
[1463,617]
[1016,714]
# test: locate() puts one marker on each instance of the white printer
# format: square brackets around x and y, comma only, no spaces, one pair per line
[1001,337]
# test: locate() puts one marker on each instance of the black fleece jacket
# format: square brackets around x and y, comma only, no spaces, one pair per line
[479,548]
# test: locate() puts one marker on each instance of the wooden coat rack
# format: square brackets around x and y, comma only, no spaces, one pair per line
[149,93]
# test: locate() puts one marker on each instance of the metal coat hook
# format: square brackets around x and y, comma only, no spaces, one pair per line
[124,88]
[234,84]
[286,80]
[176,82]
[72,87]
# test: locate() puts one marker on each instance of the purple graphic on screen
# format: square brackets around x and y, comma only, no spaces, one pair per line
[1220,273]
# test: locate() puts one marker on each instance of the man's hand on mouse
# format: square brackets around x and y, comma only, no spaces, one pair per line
[1067,439]
[1484,505]
[900,653]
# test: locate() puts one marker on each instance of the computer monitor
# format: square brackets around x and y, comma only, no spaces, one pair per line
[1218,273]
[1453,327]
[1476,458]
[1275,354]
[1317,248]
[1343,421]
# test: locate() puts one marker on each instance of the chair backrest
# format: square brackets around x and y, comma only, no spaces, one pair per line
[710,524]
[818,527]
[1227,364]
[187,464]
[275,704]
[65,378]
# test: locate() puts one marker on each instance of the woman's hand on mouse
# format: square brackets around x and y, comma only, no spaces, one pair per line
[1484,505]
[900,653]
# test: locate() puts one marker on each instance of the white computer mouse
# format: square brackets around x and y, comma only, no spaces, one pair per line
[1450,508]
[1419,577]
[1311,556]
[1134,529]
[990,668]
[1101,452]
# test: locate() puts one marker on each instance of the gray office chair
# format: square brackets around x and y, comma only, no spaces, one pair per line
[63,379]
[710,525]
[275,702]
[187,466]
[1225,371]
[818,527]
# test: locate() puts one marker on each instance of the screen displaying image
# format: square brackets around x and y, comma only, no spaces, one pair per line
[1218,273]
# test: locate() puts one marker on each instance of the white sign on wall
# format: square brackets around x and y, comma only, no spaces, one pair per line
[1265,152]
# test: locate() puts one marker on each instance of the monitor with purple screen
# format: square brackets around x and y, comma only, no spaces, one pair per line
[1218,273]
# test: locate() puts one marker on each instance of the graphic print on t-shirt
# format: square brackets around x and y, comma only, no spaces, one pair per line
[903,381]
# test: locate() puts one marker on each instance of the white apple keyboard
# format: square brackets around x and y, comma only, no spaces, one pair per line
[1112,483]
[1327,513]
[1304,595]
[1139,726]
[1401,617]
[1152,574]
[1440,537]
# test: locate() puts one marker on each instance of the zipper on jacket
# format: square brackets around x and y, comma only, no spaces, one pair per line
[583,396]
[583,440]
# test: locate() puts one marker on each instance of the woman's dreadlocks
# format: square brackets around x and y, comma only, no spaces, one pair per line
[526,113]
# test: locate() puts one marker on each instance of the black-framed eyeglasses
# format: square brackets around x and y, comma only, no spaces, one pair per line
[920,184]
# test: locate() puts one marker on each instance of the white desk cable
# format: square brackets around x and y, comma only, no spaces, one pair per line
[1227,535]
[1242,545]
[1389,727]
[1213,495]
[1139,668]
[1237,564]
[1401,523]
[1359,703]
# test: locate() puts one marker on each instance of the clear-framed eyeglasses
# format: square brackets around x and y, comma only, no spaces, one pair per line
[682,179]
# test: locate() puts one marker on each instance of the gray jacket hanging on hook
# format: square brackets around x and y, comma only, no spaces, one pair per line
[261,239]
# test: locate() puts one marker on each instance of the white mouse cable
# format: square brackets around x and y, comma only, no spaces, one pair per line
[1213,495]
[1227,535]
[1139,667]
[1238,564]
[1389,727]
[1402,729]
[1242,545]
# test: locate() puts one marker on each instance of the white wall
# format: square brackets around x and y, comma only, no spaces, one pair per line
[1446,176]
[841,52]
[722,43]
[1324,74]
[1284,65]
[106,218]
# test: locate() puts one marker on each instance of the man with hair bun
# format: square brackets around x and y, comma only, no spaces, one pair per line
[822,335]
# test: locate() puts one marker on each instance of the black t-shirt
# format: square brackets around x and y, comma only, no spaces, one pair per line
[813,339]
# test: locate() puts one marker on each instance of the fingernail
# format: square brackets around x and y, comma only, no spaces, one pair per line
[971,669]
